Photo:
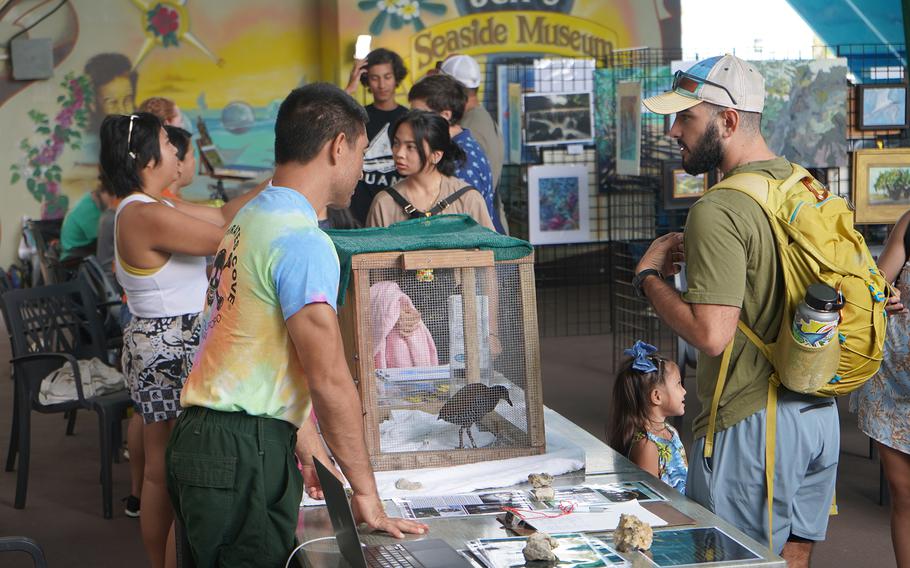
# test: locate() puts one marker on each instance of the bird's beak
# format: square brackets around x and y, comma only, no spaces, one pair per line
[507,399]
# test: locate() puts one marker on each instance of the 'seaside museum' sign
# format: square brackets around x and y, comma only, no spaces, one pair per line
[511,32]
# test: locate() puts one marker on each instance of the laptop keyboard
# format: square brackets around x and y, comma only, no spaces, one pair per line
[389,556]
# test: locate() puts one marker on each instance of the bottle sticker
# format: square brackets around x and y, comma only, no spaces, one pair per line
[813,333]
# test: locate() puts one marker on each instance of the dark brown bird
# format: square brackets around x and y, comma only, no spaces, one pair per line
[469,405]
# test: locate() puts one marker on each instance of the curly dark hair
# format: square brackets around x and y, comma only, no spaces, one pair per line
[383,55]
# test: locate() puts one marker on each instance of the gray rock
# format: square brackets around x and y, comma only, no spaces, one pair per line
[540,547]
[540,479]
[632,534]
[406,485]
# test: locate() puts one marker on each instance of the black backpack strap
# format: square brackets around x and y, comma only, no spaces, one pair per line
[444,203]
[409,209]
[906,245]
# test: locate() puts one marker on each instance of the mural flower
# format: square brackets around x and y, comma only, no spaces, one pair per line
[38,166]
[399,13]
[164,22]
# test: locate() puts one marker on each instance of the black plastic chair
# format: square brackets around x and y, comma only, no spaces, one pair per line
[49,327]
[107,298]
[23,544]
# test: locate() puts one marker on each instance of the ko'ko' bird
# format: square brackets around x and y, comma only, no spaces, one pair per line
[469,405]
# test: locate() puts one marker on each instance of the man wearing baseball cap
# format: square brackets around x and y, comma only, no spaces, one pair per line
[465,70]
[733,274]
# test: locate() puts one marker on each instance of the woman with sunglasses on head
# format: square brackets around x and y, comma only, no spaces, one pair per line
[160,248]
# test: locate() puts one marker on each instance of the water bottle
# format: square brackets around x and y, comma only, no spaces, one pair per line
[816,317]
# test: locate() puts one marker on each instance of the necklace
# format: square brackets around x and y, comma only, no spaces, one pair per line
[663,427]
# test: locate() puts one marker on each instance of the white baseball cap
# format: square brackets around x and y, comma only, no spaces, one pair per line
[462,68]
[726,81]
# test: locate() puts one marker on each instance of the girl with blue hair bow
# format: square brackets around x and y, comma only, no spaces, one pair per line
[648,390]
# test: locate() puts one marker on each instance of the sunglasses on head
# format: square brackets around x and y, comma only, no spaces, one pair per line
[129,137]
[688,84]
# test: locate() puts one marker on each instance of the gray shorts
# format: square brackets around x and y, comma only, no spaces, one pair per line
[806,453]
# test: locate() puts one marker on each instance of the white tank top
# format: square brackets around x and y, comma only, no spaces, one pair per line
[174,289]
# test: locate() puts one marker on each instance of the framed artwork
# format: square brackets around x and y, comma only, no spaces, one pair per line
[881,184]
[881,106]
[558,118]
[680,189]
[628,128]
[558,210]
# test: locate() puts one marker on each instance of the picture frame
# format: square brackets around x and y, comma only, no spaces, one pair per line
[681,190]
[881,106]
[558,118]
[628,128]
[881,184]
[558,204]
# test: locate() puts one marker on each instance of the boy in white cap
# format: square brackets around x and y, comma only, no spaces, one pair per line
[734,274]
[465,70]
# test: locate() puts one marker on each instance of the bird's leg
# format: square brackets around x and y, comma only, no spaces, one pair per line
[471,437]
[461,438]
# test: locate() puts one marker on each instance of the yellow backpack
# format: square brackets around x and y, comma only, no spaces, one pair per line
[816,242]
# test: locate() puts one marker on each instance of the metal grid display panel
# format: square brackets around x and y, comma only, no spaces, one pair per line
[447,384]
[627,209]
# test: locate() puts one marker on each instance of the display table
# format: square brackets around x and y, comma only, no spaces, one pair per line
[604,465]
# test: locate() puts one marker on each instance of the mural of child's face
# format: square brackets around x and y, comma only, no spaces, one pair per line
[117,96]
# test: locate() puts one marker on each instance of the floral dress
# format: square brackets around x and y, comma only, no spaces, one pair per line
[672,466]
[882,404]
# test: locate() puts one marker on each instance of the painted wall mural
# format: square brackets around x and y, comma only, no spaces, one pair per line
[227,63]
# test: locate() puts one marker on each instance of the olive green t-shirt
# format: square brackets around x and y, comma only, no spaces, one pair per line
[731,260]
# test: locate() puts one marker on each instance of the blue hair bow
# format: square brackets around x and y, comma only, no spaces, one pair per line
[641,352]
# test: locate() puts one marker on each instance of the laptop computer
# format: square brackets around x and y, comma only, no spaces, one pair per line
[426,553]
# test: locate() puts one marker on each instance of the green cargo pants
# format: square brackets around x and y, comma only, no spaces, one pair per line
[235,486]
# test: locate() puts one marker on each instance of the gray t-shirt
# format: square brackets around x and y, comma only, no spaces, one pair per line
[105,250]
[487,134]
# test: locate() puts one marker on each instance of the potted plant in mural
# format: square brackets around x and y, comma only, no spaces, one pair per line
[38,167]
[399,13]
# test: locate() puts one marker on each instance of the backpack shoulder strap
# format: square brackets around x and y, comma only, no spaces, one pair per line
[444,203]
[409,209]
[758,186]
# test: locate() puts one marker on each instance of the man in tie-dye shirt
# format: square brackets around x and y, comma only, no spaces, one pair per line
[271,346]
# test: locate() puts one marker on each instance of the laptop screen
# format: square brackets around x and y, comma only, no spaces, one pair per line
[342,517]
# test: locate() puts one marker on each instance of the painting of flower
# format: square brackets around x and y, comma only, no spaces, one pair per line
[163,22]
[399,13]
[558,204]
[38,166]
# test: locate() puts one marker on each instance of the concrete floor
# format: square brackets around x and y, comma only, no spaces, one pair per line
[63,512]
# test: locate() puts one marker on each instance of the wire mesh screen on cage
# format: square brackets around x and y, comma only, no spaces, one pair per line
[453,374]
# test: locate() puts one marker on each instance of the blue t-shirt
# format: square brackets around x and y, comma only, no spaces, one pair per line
[476,171]
[273,261]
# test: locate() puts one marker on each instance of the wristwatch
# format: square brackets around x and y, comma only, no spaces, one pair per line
[639,279]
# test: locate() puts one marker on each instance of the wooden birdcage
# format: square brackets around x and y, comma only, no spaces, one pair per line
[480,398]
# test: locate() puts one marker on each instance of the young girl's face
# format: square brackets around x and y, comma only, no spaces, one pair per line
[404,151]
[673,401]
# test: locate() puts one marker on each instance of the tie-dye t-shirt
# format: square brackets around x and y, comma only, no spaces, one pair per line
[273,261]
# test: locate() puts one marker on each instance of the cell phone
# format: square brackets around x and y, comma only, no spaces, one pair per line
[362,47]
